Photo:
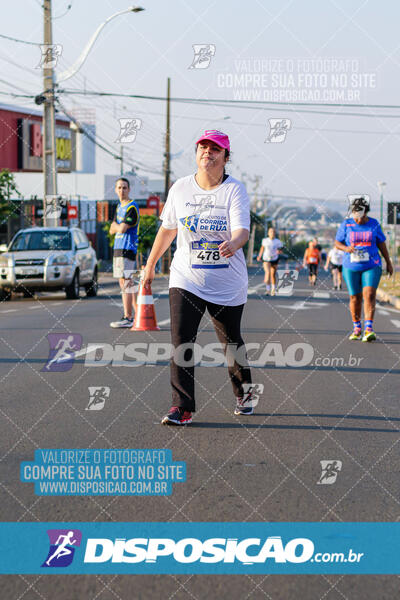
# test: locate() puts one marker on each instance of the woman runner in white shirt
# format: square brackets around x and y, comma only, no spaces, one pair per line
[210,213]
[335,260]
[269,252]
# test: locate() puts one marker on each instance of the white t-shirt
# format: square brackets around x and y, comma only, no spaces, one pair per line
[202,217]
[336,256]
[271,248]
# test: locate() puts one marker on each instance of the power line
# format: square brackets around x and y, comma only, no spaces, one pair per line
[8,37]
[63,15]
[254,104]
[231,121]
[93,139]
[85,132]
[12,85]
[17,95]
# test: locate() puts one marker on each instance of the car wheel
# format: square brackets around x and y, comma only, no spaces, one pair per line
[29,293]
[5,295]
[72,290]
[93,286]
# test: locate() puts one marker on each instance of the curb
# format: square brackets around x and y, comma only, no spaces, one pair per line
[393,300]
[107,279]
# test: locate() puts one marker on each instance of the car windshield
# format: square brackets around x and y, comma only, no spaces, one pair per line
[42,240]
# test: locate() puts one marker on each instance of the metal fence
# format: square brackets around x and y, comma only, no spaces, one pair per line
[89,215]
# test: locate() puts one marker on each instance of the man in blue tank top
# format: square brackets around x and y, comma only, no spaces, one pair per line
[125,227]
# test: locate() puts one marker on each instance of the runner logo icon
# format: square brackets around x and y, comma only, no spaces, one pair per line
[62,351]
[202,55]
[62,547]
[252,392]
[98,397]
[128,130]
[286,280]
[330,471]
[50,56]
[278,130]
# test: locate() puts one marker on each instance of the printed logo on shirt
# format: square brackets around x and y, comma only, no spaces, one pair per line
[195,223]
[361,238]
[207,200]
[203,202]
[190,222]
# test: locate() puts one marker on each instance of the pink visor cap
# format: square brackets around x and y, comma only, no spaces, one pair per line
[221,139]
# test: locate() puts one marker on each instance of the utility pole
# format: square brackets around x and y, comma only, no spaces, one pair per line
[167,143]
[250,248]
[122,159]
[166,263]
[49,134]
[394,243]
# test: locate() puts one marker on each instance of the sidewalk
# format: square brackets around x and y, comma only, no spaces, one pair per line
[387,297]
[106,279]
[387,292]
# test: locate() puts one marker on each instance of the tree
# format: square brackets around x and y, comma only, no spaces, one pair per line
[148,227]
[8,187]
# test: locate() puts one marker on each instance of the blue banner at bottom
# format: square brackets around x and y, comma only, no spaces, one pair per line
[209,548]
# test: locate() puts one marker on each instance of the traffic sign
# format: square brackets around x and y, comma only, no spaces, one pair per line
[393,207]
[72,212]
[153,202]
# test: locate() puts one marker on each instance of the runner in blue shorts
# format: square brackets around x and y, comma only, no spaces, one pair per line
[361,238]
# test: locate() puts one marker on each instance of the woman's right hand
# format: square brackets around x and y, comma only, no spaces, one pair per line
[148,275]
[350,249]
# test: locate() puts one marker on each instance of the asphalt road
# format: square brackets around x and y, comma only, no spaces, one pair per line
[343,405]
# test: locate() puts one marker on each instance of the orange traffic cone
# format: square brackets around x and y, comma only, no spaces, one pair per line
[145,316]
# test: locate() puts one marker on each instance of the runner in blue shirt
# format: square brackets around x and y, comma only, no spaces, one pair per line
[125,227]
[361,238]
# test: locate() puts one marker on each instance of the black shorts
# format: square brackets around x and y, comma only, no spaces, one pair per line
[338,267]
[312,268]
[273,263]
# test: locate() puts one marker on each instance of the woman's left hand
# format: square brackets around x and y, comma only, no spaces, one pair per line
[227,249]
[389,268]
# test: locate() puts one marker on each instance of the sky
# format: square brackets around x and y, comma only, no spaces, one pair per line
[343,51]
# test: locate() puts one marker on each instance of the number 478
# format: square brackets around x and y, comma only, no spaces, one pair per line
[206,254]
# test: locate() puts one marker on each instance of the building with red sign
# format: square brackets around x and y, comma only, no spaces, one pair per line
[21,145]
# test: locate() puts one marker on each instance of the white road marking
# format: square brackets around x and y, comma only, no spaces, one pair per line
[381,311]
[395,322]
[9,310]
[301,305]
[395,310]
[321,295]
[165,322]
[255,289]
[34,307]
[309,290]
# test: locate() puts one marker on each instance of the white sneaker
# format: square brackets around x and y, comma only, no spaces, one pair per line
[273,292]
[124,322]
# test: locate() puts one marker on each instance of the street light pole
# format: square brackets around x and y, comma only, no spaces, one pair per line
[381,185]
[49,134]
[79,62]
[48,121]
